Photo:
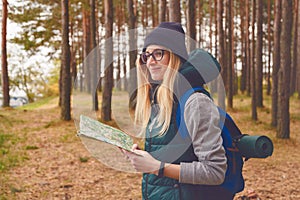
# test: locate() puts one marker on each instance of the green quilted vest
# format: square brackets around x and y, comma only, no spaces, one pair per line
[172,148]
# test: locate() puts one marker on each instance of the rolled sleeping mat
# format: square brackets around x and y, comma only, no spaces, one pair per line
[255,146]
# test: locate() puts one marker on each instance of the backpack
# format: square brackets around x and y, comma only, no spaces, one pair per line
[234,181]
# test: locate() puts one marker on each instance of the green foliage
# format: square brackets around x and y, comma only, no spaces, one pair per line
[39,23]
[29,147]
[83,159]
[52,84]
[38,103]
[15,190]
[8,158]
[28,79]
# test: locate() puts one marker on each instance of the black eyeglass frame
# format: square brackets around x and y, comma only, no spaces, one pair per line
[147,55]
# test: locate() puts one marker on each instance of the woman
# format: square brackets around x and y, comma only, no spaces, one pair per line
[174,166]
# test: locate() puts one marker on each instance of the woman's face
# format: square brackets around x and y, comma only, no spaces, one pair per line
[157,61]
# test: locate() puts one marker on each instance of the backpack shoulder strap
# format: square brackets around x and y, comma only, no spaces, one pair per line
[181,126]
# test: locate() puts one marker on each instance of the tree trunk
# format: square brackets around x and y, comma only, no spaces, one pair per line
[276,62]
[295,49]
[65,64]
[132,55]
[258,56]
[253,78]
[108,77]
[283,129]
[94,57]
[191,25]
[221,95]
[244,58]
[269,49]
[86,49]
[230,56]
[5,79]
[298,56]
[162,11]
[210,10]
[248,50]
[174,8]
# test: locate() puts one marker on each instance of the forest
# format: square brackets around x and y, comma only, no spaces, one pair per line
[94,44]
[68,57]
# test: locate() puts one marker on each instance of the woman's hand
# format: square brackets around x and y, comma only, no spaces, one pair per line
[142,161]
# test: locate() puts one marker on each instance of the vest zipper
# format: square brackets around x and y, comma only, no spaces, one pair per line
[147,175]
[146,186]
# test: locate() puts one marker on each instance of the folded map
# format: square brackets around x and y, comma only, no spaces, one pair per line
[96,130]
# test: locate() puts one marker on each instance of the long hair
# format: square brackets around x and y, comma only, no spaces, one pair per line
[164,95]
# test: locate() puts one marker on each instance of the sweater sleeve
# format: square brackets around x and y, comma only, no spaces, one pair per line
[202,119]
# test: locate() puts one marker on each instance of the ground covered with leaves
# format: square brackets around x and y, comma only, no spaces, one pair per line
[42,158]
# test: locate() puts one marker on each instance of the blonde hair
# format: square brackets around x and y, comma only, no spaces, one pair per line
[164,95]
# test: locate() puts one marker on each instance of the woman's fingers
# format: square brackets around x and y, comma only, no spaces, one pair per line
[135,147]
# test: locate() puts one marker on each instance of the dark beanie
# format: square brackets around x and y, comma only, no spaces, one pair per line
[170,35]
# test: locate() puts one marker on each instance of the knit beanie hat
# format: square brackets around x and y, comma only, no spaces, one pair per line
[170,35]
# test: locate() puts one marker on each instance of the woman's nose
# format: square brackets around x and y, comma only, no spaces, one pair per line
[151,59]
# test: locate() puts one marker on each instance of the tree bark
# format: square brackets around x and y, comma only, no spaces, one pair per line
[132,55]
[276,62]
[162,11]
[248,50]
[258,56]
[269,49]
[65,64]
[283,128]
[298,55]
[86,48]
[244,26]
[5,79]
[295,49]
[230,56]
[191,25]
[94,57]
[108,77]
[221,55]
[253,79]
[174,8]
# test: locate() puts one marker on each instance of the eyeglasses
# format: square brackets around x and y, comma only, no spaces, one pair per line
[156,54]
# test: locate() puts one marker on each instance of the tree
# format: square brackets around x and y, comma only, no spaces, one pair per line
[40,27]
[283,128]
[86,23]
[132,54]
[5,79]
[65,64]
[269,49]
[248,49]
[29,79]
[298,55]
[295,49]
[94,59]
[191,25]
[108,74]
[162,11]
[253,71]
[221,50]
[244,27]
[258,56]
[230,54]
[174,9]
[276,62]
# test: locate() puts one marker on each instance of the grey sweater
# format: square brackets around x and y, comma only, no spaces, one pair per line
[202,119]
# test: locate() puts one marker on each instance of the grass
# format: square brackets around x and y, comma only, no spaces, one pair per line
[8,156]
[38,103]
[83,159]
